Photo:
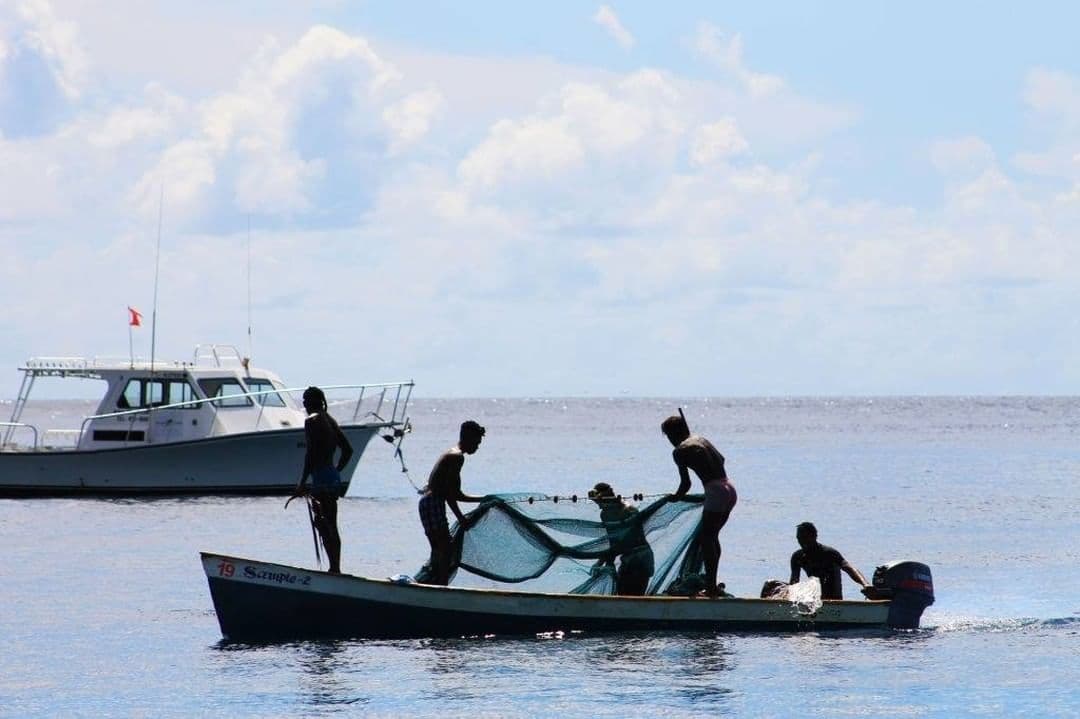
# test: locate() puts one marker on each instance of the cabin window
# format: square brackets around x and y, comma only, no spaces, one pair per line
[222,387]
[181,391]
[272,399]
[154,393]
[142,393]
[132,395]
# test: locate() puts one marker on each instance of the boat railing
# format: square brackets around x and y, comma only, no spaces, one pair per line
[217,354]
[391,396]
[71,436]
[11,427]
[87,366]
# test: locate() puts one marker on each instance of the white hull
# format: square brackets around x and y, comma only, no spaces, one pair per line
[263,462]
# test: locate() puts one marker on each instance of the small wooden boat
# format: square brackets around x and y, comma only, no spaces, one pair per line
[262,601]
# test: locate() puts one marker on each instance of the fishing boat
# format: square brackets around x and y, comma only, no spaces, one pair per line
[258,601]
[211,425]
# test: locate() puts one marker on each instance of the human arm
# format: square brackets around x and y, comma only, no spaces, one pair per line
[308,468]
[454,464]
[854,573]
[445,480]
[684,475]
[344,445]
[795,566]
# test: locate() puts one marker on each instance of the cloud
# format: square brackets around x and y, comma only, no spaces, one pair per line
[534,209]
[1053,100]
[286,128]
[727,54]
[717,141]
[411,117]
[963,156]
[1054,93]
[606,18]
[57,42]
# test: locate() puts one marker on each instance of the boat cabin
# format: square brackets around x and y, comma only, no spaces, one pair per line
[217,393]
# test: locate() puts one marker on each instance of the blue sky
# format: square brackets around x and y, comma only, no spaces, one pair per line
[558,199]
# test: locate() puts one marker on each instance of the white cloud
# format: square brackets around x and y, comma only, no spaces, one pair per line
[248,137]
[567,210]
[1055,93]
[727,54]
[57,42]
[410,118]
[1053,98]
[525,148]
[963,156]
[606,18]
[633,122]
[155,118]
[717,141]
[184,173]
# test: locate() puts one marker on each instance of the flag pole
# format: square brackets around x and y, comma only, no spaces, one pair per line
[131,342]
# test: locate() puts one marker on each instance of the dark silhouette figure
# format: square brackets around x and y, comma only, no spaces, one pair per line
[694,452]
[823,562]
[323,436]
[444,488]
[626,536]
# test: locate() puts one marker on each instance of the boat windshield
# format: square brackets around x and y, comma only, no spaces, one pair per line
[259,384]
[223,387]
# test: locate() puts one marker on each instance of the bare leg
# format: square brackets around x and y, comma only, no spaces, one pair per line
[326,524]
[711,524]
[440,557]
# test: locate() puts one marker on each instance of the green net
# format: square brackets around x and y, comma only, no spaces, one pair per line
[565,545]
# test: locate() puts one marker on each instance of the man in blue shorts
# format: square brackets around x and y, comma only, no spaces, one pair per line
[323,436]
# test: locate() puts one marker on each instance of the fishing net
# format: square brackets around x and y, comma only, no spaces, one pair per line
[557,544]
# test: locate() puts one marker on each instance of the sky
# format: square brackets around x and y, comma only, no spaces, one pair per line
[554,199]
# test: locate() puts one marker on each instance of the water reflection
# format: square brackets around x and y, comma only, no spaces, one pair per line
[324,680]
[706,662]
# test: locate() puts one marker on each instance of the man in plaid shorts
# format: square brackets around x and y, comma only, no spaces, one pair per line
[444,488]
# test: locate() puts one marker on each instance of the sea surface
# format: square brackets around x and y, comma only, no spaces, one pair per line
[104,610]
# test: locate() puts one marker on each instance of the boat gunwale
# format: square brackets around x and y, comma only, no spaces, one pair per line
[142,446]
[417,586]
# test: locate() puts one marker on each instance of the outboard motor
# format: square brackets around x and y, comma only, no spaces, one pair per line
[910,588]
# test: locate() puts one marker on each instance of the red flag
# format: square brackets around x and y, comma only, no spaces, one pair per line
[136,317]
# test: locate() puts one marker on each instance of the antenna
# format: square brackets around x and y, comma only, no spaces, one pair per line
[157,271]
[251,350]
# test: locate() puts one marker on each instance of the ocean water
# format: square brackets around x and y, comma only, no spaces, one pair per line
[104,610]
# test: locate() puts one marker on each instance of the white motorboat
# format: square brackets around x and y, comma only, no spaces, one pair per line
[214,425]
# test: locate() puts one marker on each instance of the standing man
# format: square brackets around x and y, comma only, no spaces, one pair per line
[323,436]
[823,562]
[694,452]
[444,488]
[626,536]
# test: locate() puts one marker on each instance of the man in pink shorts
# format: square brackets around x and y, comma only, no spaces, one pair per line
[694,452]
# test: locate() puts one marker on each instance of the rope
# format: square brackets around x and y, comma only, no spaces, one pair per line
[636,497]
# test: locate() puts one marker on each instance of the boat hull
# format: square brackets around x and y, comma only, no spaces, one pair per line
[259,601]
[264,462]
